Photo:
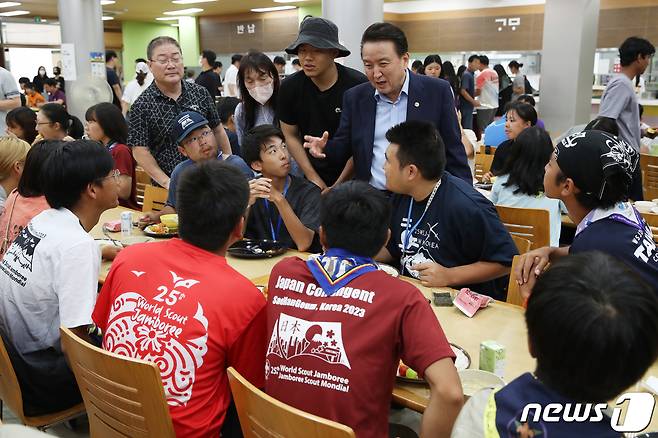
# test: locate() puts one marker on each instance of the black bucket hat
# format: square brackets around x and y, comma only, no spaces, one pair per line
[319,33]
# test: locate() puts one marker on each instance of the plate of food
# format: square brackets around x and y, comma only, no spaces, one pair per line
[407,375]
[160,230]
[257,249]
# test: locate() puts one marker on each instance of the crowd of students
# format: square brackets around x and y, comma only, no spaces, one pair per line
[358,169]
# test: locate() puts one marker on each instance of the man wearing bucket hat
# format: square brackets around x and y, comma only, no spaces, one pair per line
[310,101]
[592,172]
[392,96]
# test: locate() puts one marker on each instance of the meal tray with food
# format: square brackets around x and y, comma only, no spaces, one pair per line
[160,230]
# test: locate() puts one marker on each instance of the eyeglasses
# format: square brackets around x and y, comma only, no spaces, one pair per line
[114,174]
[44,123]
[164,61]
[196,138]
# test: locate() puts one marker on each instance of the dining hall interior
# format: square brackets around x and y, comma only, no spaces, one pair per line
[328,218]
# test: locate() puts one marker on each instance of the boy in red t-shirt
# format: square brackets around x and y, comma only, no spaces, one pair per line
[179,304]
[338,326]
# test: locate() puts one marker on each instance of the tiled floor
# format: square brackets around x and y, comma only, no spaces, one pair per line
[81,429]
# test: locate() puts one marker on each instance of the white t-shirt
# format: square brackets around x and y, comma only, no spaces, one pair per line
[487,83]
[48,278]
[231,77]
[505,196]
[133,90]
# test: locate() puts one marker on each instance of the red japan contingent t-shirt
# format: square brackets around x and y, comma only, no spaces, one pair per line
[336,357]
[193,315]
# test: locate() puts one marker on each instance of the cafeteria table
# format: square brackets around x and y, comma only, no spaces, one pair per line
[500,322]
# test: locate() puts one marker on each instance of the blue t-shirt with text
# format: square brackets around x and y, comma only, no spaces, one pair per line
[460,227]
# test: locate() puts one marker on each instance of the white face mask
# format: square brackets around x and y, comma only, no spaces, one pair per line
[262,93]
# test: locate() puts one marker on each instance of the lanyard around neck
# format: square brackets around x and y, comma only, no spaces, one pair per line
[269,214]
[409,230]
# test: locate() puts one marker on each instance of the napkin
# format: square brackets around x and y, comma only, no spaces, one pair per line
[470,302]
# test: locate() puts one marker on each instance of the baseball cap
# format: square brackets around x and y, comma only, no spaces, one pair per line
[141,67]
[185,123]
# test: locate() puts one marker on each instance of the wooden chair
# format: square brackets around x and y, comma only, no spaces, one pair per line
[154,198]
[652,221]
[649,166]
[482,165]
[124,396]
[10,393]
[143,180]
[513,290]
[528,223]
[523,245]
[263,416]
[483,150]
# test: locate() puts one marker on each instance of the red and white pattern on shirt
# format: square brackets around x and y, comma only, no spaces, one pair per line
[135,329]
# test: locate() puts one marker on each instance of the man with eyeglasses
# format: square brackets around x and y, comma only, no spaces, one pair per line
[49,274]
[154,113]
[197,142]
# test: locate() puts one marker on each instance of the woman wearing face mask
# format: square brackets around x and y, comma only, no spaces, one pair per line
[258,80]
[40,79]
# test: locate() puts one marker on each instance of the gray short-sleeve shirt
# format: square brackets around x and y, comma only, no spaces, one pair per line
[8,90]
[619,102]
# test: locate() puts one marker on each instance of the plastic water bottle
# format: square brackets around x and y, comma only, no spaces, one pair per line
[126,224]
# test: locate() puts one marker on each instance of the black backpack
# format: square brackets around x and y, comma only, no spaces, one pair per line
[528,87]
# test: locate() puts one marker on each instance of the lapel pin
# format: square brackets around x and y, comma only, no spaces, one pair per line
[416,104]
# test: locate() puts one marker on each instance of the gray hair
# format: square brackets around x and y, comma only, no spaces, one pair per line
[161,41]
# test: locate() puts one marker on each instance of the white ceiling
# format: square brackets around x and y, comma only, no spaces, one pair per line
[148,10]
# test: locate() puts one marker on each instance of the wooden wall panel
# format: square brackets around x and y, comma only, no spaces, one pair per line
[452,31]
[273,32]
[473,34]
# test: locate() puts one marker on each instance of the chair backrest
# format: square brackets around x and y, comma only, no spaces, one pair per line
[488,150]
[513,291]
[142,180]
[154,198]
[530,223]
[523,245]
[10,391]
[124,396]
[649,166]
[482,165]
[652,221]
[263,416]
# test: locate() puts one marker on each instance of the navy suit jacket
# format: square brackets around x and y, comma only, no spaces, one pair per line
[429,99]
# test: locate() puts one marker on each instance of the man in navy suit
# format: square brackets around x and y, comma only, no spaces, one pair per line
[393,95]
